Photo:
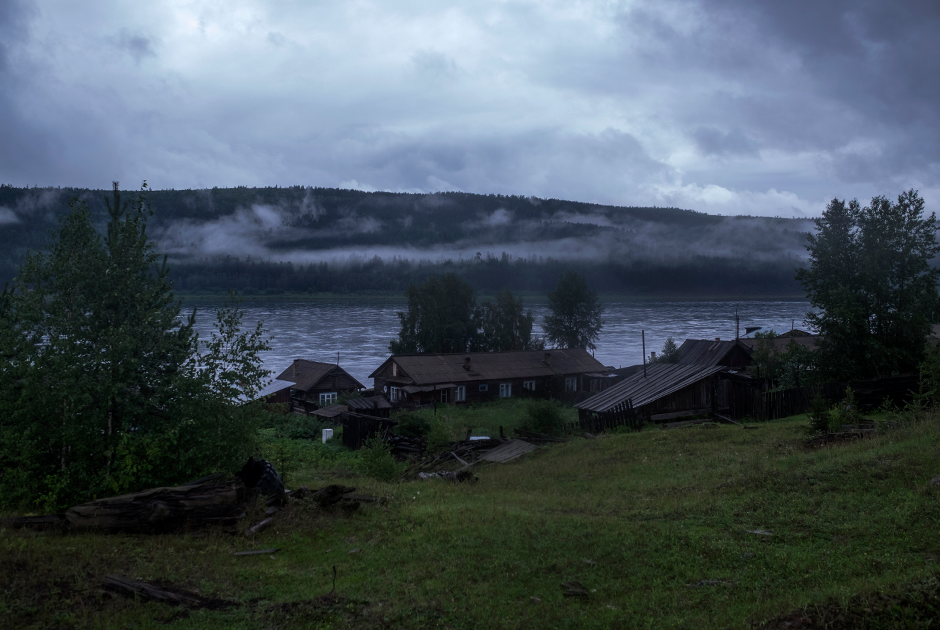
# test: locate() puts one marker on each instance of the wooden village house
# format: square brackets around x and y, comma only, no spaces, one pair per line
[468,377]
[312,385]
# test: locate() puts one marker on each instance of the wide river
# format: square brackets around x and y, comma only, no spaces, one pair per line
[359,333]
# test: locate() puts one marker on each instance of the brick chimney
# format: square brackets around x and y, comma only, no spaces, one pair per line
[548,358]
[717,338]
[466,364]
[652,356]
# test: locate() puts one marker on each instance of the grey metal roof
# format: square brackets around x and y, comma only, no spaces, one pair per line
[661,380]
[706,352]
[427,369]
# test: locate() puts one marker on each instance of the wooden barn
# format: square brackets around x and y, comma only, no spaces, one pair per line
[468,377]
[315,384]
[665,392]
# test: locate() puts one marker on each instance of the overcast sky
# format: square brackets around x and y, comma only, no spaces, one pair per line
[722,106]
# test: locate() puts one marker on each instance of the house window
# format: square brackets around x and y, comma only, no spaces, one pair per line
[484,387]
[529,385]
[328,398]
[505,390]
[443,395]
[461,394]
[571,384]
[394,393]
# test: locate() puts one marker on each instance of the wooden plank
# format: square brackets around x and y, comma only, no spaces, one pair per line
[508,451]
[679,414]
[258,552]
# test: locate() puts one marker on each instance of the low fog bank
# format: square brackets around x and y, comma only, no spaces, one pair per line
[345,228]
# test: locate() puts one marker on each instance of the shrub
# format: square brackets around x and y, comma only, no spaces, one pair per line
[412,424]
[819,416]
[298,427]
[377,460]
[543,416]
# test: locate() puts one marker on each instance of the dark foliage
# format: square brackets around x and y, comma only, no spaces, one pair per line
[575,320]
[871,280]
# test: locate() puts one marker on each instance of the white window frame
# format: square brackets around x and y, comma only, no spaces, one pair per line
[505,390]
[394,393]
[571,384]
[327,398]
[529,385]
[461,394]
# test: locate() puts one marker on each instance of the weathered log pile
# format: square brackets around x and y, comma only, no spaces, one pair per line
[212,500]
[460,456]
[403,446]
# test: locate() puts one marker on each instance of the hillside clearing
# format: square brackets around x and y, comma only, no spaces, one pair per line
[708,526]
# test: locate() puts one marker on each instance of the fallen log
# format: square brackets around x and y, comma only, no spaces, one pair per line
[200,503]
[149,592]
[49,521]
[143,590]
[260,527]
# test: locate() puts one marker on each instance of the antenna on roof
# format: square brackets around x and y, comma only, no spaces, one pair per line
[337,357]
[737,325]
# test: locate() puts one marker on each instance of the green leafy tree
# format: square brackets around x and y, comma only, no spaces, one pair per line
[441,317]
[872,286]
[506,326]
[669,352]
[104,388]
[575,319]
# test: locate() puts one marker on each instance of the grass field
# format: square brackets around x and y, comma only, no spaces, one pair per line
[703,527]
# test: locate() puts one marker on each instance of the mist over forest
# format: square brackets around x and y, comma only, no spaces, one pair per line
[304,239]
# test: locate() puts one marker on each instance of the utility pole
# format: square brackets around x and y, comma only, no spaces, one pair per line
[643,333]
[737,325]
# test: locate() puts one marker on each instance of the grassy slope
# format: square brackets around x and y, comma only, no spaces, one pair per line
[636,518]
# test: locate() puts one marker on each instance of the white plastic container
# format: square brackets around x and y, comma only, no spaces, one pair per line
[327,435]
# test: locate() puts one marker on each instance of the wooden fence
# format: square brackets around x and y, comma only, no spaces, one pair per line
[747,401]
[623,415]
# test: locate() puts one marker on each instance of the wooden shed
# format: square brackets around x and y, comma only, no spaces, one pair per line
[665,392]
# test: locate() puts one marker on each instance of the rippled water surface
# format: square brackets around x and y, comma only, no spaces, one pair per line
[360,333]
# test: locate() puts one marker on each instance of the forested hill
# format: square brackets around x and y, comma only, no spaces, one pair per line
[320,239]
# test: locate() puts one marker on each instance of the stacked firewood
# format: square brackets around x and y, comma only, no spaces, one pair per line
[404,446]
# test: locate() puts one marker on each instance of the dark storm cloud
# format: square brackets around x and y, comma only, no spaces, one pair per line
[724,106]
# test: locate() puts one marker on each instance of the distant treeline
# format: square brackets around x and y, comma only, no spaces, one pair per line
[700,276]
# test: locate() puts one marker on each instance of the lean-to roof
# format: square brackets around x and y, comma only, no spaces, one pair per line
[661,380]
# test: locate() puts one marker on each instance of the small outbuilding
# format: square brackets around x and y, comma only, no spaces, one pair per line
[666,391]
